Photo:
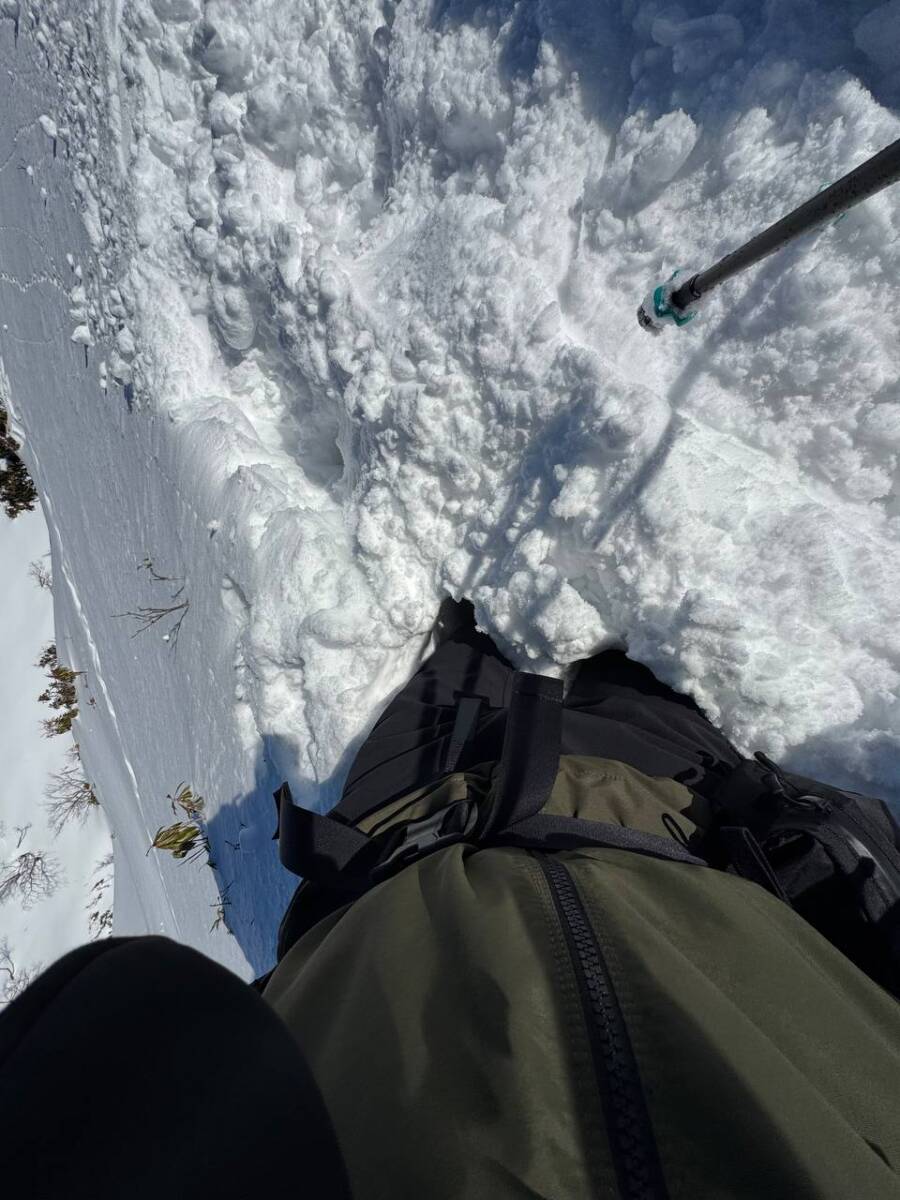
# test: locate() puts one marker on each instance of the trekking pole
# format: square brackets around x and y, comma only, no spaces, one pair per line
[676,303]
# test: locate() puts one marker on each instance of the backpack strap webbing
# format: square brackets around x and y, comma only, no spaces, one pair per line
[315,846]
[468,710]
[530,757]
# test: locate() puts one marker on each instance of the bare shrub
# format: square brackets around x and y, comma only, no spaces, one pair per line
[69,795]
[41,575]
[147,616]
[13,979]
[32,876]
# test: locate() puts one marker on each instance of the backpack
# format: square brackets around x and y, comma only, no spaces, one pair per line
[499,991]
[833,855]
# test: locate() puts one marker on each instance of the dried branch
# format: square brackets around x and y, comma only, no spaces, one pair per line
[224,902]
[146,617]
[147,565]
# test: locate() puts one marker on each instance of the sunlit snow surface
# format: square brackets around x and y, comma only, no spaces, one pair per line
[416,241]
[376,315]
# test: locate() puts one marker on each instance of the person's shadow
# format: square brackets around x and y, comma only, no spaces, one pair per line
[253,886]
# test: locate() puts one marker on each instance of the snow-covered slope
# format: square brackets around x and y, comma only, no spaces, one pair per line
[373,339]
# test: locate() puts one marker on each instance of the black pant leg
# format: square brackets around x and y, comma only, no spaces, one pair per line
[136,1067]
[407,747]
[618,709]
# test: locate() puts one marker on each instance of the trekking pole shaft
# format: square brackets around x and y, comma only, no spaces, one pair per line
[878,172]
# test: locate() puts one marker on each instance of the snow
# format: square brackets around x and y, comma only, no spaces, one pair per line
[359,289]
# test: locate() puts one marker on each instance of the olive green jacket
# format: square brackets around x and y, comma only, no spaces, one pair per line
[499,1022]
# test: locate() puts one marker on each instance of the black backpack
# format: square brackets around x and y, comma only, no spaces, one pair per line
[831,854]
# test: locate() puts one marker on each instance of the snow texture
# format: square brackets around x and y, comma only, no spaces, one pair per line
[362,294]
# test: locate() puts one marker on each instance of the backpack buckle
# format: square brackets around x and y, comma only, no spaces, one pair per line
[419,838]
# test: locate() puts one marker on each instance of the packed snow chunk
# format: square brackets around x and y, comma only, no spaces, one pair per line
[9,8]
[698,43]
[125,343]
[226,113]
[222,44]
[878,36]
[572,627]
[547,323]
[648,155]
[49,126]
[81,335]
[234,316]
[578,494]
[882,424]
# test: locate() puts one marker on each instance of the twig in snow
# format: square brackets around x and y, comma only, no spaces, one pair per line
[148,616]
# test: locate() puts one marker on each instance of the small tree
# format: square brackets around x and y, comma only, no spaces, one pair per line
[33,876]
[41,575]
[60,694]
[13,980]
[70,797]
[17,492]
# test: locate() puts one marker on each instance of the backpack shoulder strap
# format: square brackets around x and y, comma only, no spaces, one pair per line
[530,756]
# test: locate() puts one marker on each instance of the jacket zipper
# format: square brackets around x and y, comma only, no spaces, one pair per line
[632,1144]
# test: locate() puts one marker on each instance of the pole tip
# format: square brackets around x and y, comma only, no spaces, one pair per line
[646,322]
